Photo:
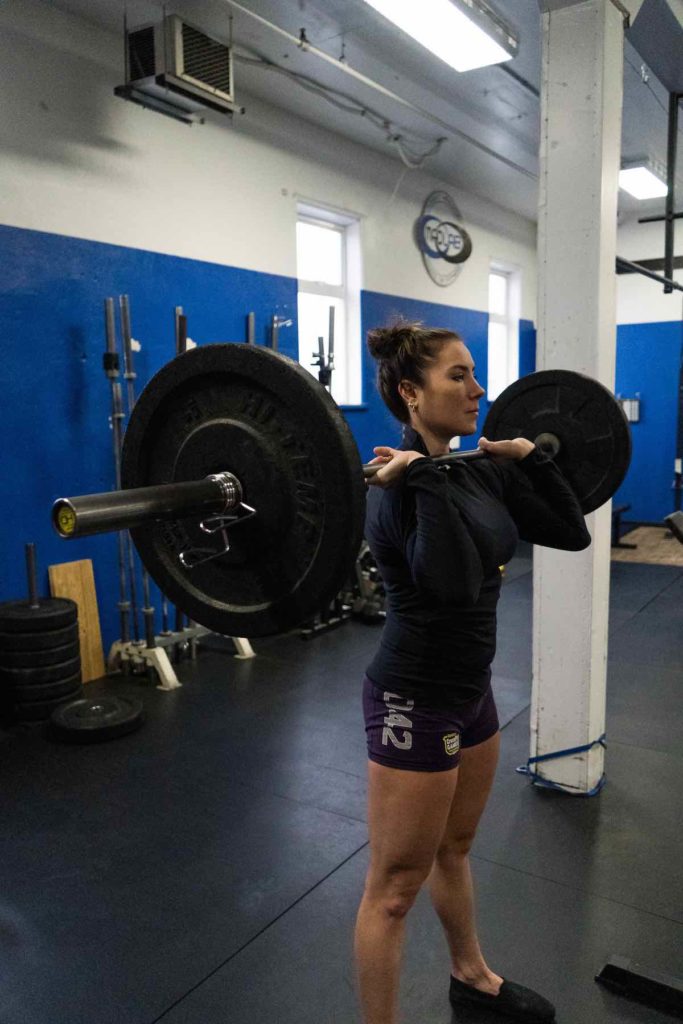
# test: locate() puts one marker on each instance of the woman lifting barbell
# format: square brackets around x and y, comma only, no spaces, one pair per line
[439,536]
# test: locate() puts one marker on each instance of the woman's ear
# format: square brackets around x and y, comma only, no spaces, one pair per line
[407,391]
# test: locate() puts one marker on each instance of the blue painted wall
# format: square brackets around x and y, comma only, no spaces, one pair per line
[56,437]
[527,347]
[648,361]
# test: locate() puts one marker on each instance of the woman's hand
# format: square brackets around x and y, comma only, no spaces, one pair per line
[516,449]
[393,464]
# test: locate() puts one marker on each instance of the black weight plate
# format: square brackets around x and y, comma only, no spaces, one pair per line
[37,659]
[46,674]
[41,710]
[263,417]
[43,641]
[92,719]
[51,613]
[47,691]
[594,435]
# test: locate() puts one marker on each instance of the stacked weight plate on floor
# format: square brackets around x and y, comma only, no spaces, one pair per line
[40,663]
[94,719]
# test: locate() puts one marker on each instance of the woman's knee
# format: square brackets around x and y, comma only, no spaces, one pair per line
[395,889]
[455,846]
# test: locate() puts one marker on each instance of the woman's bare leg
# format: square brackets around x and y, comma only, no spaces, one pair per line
[450,881]
[407,814]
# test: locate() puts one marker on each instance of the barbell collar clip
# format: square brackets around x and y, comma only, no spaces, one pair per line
[193,557]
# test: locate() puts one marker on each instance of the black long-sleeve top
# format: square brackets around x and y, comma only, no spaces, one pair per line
[439,537]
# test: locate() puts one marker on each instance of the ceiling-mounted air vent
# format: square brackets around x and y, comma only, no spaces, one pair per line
[141,53]
[176,69]
[206,62]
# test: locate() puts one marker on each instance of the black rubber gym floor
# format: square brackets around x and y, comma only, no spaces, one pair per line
[207,869]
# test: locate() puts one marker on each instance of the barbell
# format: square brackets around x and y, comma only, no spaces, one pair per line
[244,491]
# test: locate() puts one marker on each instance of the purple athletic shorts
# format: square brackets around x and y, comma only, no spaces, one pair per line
[404,732]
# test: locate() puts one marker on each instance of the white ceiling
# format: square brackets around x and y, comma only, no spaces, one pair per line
[490,117]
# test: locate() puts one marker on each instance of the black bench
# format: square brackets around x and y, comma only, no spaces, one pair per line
[617,513]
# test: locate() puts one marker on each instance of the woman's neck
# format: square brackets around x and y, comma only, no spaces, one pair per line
[435,445]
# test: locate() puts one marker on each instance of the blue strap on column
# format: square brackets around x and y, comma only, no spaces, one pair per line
[538,780]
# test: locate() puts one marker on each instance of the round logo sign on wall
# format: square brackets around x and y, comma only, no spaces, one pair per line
[441,238]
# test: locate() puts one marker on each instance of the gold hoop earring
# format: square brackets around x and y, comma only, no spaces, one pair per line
[412,406]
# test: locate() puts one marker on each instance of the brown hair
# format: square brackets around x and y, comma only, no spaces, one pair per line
[402,352]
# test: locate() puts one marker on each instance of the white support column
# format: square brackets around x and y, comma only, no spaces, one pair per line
[581,104]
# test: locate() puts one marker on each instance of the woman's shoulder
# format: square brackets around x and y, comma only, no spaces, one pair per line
[384,513]
[381,502]
[483,469]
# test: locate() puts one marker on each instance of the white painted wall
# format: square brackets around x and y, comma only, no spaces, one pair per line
[640,300]
[78,161]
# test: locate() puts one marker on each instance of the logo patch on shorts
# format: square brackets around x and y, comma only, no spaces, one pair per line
[452,742]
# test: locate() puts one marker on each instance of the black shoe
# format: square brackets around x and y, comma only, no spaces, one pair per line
[513,1000]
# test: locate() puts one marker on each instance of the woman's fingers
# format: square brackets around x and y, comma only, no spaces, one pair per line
[393,464]
[516,448]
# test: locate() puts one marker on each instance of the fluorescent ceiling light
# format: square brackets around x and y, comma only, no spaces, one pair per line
[641,183]
[464,33]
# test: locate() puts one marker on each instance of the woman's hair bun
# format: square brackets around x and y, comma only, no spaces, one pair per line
[382,342]
[385,342]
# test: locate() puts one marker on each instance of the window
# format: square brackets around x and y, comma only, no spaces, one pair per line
[503,339]
[328,269]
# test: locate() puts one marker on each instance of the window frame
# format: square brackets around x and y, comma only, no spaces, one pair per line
[348,293]
[321,287]
[509,319]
